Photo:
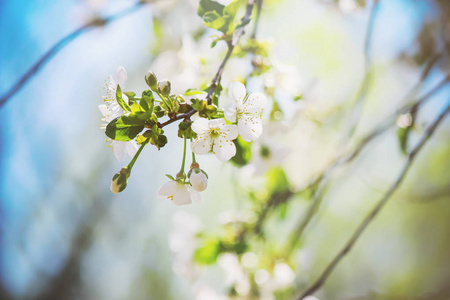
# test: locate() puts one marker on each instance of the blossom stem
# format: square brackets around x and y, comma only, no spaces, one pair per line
[193,156]
[135,157]
[184,158]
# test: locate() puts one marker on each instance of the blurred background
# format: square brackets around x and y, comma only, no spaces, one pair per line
[64,235]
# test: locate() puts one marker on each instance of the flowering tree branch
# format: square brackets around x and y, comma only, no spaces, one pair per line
[41,62]
[217,77]
[378,207]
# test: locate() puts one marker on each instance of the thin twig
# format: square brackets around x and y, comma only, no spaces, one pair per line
[41,62]
[348,157]
[381,203]
[216,80]
[231,45]
[367,71]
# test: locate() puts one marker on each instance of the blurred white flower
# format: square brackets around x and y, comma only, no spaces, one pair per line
[271,148]
[246,110]
[234,273]
[183,242]
[179,192]
[283,276]
[111,110]
[214,135]
[198,180]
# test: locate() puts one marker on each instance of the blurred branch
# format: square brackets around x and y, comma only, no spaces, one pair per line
[374,212]
[367,70]
[41,62]
[348,157]
[257,17]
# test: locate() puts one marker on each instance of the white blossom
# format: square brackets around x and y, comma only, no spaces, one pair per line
[198,180]
[111,110]
[246,110]
[214,135]
[179,192]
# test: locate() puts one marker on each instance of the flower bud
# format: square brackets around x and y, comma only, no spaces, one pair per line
[198,180]
[151,80]
[164,87]
[120,180]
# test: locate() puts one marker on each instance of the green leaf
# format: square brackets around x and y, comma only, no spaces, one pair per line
[124,128]
[120,100]
[402,135]
[130,94]
[136,108]
[147,101]
[277,181]
[170,177]
[191,92]
[243,152]
[232,9]
[208,5]
[215,21]
[208,253]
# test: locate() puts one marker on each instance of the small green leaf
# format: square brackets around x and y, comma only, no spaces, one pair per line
[208,253]
[130,95]
[124,128]
[191,92]
[232,9]
[136,108]
[120,100]
[205,6]
[277,181]
[402,135]
[170,177]
[148,101]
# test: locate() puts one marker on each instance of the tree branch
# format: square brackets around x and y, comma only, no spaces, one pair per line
[216,80]
[41,62]
[374,212]
[350,156]
[231,45]
[367,70]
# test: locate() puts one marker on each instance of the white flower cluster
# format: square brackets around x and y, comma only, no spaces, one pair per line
[215,135]
[111,110]
[245,114]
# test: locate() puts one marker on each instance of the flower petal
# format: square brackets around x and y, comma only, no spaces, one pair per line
[224,149]
[255,103]
[119,149]
[195,196]
[167,189]
[201,125]
[216,123]
[237,91]
[230,132]
[182,196]
[131,148]
[120,76]
[103,109]
[230,112]
[250,127]
[202,144]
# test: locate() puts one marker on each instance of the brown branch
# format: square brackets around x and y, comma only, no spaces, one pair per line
[231,45]
[216,80]
[378,207]
[41,62]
